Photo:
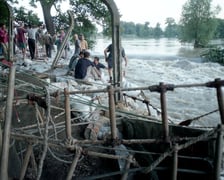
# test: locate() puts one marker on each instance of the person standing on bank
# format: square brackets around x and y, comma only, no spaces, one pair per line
[83,43]
[48,41]
[21,39]
[31,41]
[109,60]
[75,57]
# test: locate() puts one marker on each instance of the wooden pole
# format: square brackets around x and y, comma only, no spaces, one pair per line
[112,112]
[74,163]
[7,128]
[26,161]
[127,166]
[67,114]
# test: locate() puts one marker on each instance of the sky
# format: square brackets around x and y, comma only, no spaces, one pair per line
[152,11]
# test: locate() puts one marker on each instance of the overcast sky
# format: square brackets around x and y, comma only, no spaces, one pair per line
[153,11]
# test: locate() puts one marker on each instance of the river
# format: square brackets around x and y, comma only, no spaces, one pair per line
[151,61]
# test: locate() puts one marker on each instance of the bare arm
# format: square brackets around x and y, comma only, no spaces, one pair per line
[105,54]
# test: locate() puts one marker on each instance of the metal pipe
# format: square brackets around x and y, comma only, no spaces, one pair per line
[220,99]
[164,112]
[218,153]
[175,162]
[67,114]
[7,128]
[113,124]
[26,161]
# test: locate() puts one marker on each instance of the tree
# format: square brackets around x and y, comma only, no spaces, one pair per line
[198,22]
[171,30]
[158,32]
[46,6]
[28,17]
[128,28]
[219,33]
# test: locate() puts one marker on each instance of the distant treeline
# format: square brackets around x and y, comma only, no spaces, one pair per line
[171,30]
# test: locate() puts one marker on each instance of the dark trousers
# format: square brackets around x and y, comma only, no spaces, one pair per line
[31,44]
[48,50]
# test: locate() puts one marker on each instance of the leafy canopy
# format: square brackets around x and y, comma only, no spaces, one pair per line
[198,22]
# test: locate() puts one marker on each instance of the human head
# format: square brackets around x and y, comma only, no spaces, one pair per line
[75,36]
[81,54]
[86,54]
[96,59]
[81,36]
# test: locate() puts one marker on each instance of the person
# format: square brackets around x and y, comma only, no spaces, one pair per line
[31,41]
[21,39]
[4,39]
[97,73]
[39,40]
[83,43]
[109,60]
[82,66]
[74,58]
[48,41]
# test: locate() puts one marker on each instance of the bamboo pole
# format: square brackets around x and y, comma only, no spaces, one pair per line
[127,166]
[26,161]
[7,128]
[74,163]
[67,114]
[113,124]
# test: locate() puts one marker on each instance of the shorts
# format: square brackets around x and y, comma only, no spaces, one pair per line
[22,45]
[110,63]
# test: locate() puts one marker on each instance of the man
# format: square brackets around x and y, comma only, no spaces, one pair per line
[4,39]
[82,66]
[83,43]
[74,58]
[31,41]
[21,39]
[109,59]
[98,66]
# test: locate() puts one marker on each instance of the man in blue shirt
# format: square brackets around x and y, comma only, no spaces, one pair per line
[109,59]
[82,66]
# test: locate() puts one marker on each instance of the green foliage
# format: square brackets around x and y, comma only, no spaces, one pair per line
[29,17]
[158,31]
[4,13]
[214,55]
[197,22]
[219,33]
[87,15]
[172,29]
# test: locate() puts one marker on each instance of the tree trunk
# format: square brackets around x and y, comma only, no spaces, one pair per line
[197,44]
[46,7]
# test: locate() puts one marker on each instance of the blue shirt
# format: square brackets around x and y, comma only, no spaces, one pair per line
[99,65]
[81,68]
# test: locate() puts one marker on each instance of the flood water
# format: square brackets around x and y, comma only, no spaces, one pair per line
[151,61]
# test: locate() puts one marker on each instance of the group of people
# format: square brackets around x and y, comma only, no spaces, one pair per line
[34,38]
[3,40]
[83,67]
[80,62]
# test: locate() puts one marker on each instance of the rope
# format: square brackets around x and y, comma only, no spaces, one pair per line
[37,118]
